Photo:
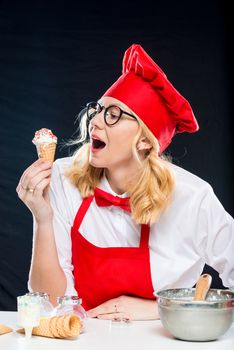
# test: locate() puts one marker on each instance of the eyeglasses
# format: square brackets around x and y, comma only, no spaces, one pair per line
[112,113]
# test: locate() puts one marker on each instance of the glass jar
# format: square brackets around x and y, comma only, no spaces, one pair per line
[46,308]
[28,312]
[71,304]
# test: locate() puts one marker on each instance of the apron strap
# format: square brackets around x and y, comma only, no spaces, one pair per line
[145,232]
[82,211]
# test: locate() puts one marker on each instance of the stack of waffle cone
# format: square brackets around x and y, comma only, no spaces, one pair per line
[66,326]
[46,151]
[5,329]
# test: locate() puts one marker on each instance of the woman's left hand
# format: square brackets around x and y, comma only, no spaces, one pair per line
[126,308]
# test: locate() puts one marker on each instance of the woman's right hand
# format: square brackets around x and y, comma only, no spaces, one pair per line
[32,189]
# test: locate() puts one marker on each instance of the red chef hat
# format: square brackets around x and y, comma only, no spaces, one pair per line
[145,89]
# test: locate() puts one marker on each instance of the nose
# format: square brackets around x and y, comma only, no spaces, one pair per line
[98,120]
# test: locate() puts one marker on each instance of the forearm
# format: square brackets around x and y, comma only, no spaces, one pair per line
[46,274]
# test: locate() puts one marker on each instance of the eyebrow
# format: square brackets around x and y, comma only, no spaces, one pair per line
[114,104]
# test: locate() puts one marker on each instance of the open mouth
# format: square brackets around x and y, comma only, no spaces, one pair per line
[98,144]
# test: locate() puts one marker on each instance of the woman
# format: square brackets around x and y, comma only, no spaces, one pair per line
[119,221]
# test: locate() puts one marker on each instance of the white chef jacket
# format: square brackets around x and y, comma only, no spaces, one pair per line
[194,230]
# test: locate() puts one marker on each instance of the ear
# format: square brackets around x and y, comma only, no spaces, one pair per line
[143,144]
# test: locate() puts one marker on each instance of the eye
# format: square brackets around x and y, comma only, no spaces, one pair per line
[112,114]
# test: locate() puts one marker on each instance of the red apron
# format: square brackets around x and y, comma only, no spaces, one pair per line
[104,273]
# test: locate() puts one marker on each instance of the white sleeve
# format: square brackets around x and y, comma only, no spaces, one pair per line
[62,225]
[216,228]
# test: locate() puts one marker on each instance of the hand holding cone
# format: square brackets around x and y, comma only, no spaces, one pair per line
[66,326]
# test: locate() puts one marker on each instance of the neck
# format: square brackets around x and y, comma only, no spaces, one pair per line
[119,178]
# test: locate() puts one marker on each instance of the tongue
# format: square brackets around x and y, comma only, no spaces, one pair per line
[98,144]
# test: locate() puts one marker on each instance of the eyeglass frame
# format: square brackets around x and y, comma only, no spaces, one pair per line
[105,112]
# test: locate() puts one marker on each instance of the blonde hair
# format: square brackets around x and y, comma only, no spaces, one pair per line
[150,190]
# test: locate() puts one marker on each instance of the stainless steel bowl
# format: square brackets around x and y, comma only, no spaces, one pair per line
[193,320]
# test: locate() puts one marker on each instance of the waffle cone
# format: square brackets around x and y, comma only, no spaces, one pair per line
[20,330]
[60,328]
[71,325]
[53,327]
[43,329]
[67,326]
[5,329]
[46,151]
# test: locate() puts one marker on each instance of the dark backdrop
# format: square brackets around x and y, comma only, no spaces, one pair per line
[55,57]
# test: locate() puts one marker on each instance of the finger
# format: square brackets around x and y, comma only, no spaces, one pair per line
[99,310]
[36,167]
[41,186]
[31,171]
[20,191]
[119,316]
[19,186]
[96,311]
[36,188]
[33,195]
[108,307]
[35,181]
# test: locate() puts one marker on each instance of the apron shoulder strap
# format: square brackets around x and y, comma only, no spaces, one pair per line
[82,211]
[145,232]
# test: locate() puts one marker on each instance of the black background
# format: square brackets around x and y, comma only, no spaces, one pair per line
[56,56]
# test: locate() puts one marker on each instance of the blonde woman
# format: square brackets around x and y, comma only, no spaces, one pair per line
[120,221]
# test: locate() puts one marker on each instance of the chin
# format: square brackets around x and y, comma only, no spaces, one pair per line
[96,164]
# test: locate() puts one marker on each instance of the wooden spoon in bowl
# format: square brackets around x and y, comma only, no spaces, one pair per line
[202,286]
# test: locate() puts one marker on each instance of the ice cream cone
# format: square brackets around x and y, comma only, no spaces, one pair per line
[46,151]
[5,329]
[71,325]
[44,328]
[60,328]
[67,326]
[20,330]
[45,142]
[54,328]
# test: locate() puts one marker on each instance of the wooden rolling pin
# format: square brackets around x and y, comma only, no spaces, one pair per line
[202,287]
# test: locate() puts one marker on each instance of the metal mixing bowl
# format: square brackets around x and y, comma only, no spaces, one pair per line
[191,320]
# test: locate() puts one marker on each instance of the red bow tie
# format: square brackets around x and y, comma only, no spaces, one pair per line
[104,199]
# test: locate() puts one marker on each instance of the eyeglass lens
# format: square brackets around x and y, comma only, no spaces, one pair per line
[112,114]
